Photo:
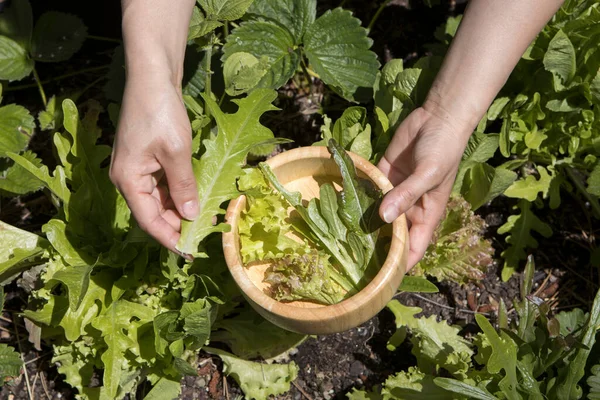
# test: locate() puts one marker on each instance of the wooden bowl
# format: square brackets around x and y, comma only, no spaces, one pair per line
[304,169]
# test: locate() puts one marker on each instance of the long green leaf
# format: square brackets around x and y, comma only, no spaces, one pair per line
[220,166]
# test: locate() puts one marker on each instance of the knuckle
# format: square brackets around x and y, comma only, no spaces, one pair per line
[177,146]
[183,185]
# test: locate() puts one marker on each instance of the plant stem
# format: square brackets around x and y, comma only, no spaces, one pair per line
[377,14]
[207,64]
[104,39]
[225,30]
[40,87]
[58,78]
[307,74]
[581,188]
[343,3]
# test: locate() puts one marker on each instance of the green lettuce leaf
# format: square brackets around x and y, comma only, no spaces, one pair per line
[15,180]
[20,249]
[220,166]
[257,380]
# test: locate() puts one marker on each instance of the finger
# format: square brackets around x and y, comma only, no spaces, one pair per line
[405,195]
[182,183]
[146,210]
[419,239]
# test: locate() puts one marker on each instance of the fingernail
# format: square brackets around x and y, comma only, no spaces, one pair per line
[190,209]
[389,214]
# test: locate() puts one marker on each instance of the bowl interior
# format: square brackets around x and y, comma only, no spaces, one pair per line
[304,175]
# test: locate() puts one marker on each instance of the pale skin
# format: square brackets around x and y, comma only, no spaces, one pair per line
[151,163]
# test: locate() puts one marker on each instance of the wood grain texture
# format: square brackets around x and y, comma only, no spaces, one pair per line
[304,170]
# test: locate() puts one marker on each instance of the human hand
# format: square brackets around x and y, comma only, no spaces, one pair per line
[151,164]
[421,162]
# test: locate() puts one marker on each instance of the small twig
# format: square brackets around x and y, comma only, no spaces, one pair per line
[104,39]
[541,287]
[458,310]
[58,78]
[37,375]
[301,391]
[23,359]
[45,387]
[225,387]
[38,357]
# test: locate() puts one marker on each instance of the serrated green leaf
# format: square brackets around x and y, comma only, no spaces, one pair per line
[15,64]
[16,22]
[503,357]
[57,36]
[529,187]
[482,183]
[413,385]
[519,227]
[16,129]
[200,25]
[435,344]
[77,281]
[16,180]
[257,380]
[294,15]
[220,166]
[242,72]
[51,117]
[337,47]
[268,40]
[120,335]
[10,363]
[55,183]
[225,10]
[560,59]
[75,362]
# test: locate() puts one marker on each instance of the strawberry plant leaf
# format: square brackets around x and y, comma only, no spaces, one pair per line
[294,15]
[15,180]
[257,380]
[57,36]
[520,227]
[16,22]
[200,25]
[15,64]
[10,363]
[220,166]
[337,48]
[225,10]
[16,128]
[269,42]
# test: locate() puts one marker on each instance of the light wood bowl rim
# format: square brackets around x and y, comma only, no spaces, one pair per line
[395,259]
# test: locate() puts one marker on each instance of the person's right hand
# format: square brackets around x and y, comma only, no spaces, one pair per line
[421,162]
[151,163]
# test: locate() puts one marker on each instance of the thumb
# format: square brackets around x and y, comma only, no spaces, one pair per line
[182,184]
[401,198]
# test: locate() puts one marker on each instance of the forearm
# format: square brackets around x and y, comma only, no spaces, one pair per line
[492,37]
[155,37]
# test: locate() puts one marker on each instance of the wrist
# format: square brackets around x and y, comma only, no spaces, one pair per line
[457,109]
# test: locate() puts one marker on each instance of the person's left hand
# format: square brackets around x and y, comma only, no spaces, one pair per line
[421,162]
